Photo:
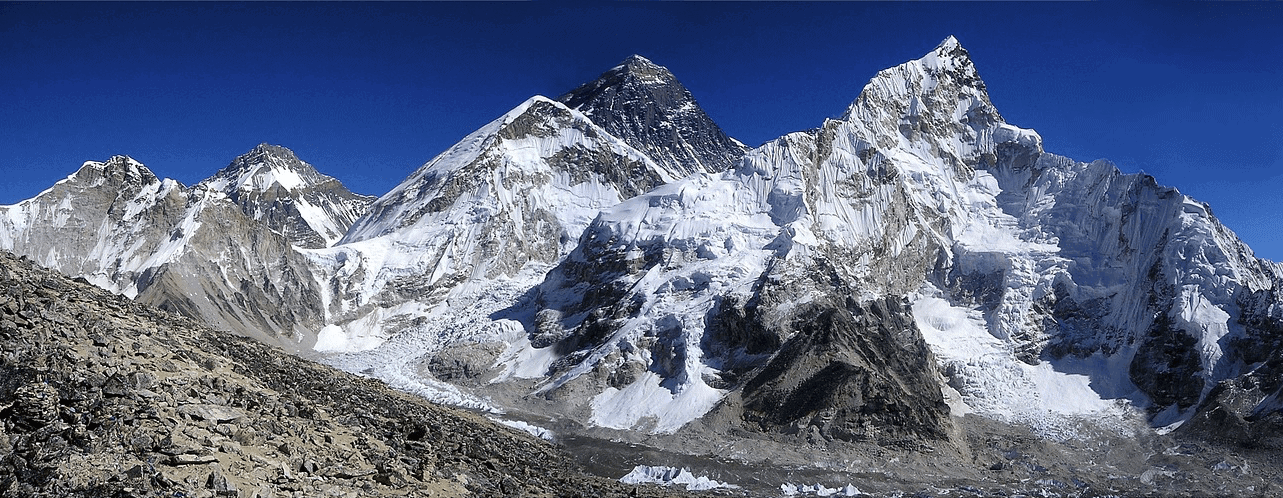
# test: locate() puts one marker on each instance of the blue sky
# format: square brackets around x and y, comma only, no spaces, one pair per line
[1190,93]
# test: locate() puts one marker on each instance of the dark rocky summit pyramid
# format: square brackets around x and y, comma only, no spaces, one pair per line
[644,104]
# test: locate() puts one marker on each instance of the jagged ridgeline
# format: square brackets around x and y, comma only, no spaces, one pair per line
[186,249]
[612,258]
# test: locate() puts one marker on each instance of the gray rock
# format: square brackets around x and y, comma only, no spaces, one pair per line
[35,405]
[221,485]
[190,459]
[278,207]
[215,414]
[861,373]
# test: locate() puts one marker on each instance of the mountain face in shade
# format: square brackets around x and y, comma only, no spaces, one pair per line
[274,186]
[644,104]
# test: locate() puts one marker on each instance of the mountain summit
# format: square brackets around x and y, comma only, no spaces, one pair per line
[644,104]
[274,186]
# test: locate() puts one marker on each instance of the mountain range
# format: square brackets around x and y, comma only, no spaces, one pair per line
[611,263]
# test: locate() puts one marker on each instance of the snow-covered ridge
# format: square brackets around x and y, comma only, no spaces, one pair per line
[492,212]
[260,169]
[521,155]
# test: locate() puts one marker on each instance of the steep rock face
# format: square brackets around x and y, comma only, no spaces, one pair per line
[854,371]
[1141,274]
[644,104]
[109,222]
[236,275]
[189,250]
[276,188]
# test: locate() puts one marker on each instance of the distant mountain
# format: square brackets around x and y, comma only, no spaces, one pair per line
[184,249]
[274,186]
[644,105]
[510,200]
[469,232]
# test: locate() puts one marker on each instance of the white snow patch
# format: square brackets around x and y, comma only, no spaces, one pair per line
[648,404]
[522,361]
[331,338]
[325,225]
[531,429]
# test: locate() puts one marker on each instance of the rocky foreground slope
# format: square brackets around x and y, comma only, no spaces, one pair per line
[102,396]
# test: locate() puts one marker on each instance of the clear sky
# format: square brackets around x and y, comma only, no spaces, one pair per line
[1190,93]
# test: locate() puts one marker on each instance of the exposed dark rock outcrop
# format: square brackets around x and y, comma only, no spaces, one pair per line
[860,372]
[644,104]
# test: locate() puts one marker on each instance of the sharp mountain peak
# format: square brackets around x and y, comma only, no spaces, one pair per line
[262,167]
[644,71]
[645,105]
[119,167]
[948,44]
[265,154]
[272,150]
[945,74]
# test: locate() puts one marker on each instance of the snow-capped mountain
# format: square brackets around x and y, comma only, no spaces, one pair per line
[88,223]
[469,233]
[1044,287]
[190,250]
[274,186]
[613,258]
[507,202]
[473,230]
[644,104]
